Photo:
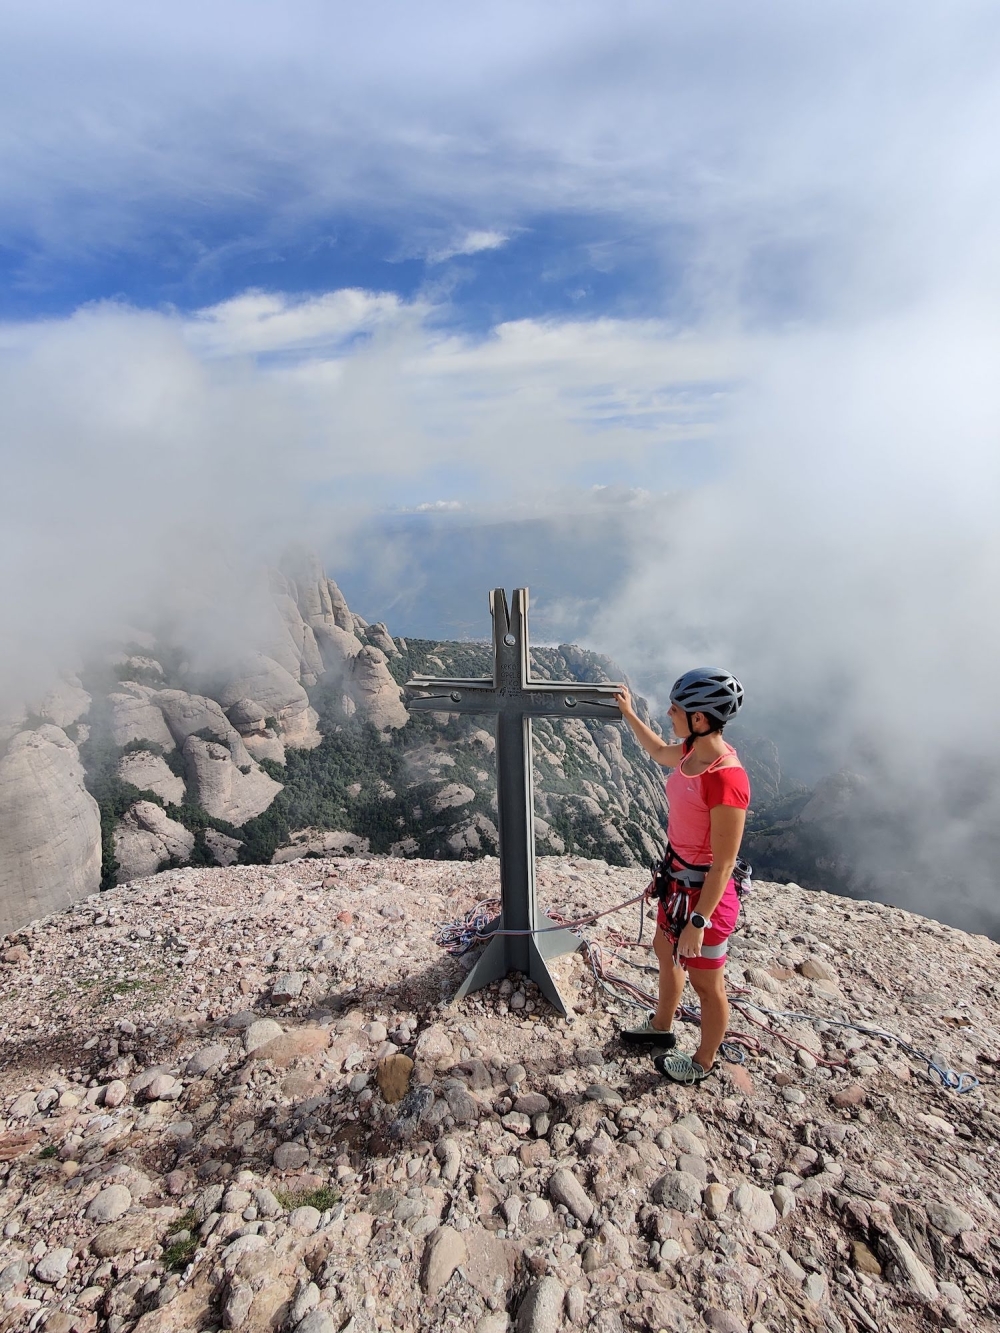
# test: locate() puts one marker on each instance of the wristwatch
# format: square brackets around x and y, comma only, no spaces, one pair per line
[700,922]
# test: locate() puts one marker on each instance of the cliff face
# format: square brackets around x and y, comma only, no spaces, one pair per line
[50,828]
[241,1098]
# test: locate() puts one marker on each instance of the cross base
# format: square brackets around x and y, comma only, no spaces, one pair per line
[522,953]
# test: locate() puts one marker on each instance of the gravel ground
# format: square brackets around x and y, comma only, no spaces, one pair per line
[242,1098]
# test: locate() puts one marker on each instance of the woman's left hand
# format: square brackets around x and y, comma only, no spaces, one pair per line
[689,944]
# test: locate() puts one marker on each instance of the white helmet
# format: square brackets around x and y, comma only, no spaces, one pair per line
[708,690]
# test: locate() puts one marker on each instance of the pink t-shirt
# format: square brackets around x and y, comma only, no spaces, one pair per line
[691,801]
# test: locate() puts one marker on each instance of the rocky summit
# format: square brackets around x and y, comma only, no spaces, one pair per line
[243,1098]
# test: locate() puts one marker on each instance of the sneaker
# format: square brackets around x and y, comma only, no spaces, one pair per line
[681,1069]
[645,1031]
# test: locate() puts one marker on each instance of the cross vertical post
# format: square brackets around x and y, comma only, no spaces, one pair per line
[513,698]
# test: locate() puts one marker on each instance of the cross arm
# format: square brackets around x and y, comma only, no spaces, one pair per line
[451,696]
[569,699]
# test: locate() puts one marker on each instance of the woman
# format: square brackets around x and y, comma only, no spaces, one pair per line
[708,793]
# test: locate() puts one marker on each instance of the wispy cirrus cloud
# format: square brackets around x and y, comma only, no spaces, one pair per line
[469,243]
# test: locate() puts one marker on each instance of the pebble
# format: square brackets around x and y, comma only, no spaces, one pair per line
[600,1092]
[444,1251]
[320,1321]
[564,1188]
[686,1142]
[259,1033]
[783,1199]
[13,1273]
[678,1189]
[515,1075]
[290,1156]
[304,1220]
[817,970]
[434,1045]
[288,987]
[112,1202]
[237,1306]
[756,1207]
[723,1321]
[115,1093]
[506,1168]
[716,1200]
[531,1104]
[205,1060]
[540,1310]
[53,1266]
[948,1219]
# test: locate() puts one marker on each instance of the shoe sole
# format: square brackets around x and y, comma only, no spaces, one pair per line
[665,1039]
[682,1082]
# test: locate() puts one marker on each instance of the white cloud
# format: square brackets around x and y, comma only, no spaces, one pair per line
[471,243]
[259,322]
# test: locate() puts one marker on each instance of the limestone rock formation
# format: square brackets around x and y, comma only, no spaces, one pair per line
[247,717]
[265,682]
[378,697]
[266,744]
[378,635]
[189,714]
[226,850]
[149,772]
[224,789]
[146,838]
[135,716]
[50,828]
[66,703]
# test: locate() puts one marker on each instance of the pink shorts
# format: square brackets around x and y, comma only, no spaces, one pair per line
[715,945]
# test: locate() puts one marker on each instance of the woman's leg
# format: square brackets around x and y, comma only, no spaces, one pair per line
[672,980]
[710,985]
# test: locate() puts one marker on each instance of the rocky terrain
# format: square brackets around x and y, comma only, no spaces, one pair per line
[142,760]
[241,1098]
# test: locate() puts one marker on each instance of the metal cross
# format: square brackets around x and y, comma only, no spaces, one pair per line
[512,698]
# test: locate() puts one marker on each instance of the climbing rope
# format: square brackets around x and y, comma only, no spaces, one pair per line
[475,926]
[951,1079]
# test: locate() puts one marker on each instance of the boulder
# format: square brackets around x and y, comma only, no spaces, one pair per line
[266,745]
[150,772]
[338,647]
[451,795]
[146,838]
[136,716]
[222,788]
[65,704]
[226,850]
[264,681]
[50,828]
[378,635]
[372,687]
[246,716]
[192,714]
